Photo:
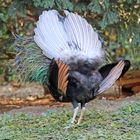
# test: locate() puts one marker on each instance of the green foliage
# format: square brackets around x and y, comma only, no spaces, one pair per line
[121,124]
[117,22]
[110,17]
[59,4]
[43,4]
[95,7]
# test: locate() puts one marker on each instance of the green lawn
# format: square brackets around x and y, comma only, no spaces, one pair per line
[120,124]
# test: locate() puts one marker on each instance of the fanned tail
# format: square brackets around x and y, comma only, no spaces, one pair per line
[31,64]
[63,37]
[68,38]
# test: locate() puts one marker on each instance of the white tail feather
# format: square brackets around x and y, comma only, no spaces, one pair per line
[61,37]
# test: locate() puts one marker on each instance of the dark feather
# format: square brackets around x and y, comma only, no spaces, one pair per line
[58,79]
[106,69]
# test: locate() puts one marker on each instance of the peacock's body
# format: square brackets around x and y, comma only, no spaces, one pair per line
[67,59]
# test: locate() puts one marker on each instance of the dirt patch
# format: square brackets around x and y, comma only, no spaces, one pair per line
[21,91]
[46,102]
[21,97]
[108,105]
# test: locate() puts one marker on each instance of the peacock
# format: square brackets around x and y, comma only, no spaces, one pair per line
[66,54]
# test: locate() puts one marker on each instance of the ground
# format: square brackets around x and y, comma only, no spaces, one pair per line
[103,120]
[38,117]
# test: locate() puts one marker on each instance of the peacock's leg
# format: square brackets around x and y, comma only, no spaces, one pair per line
[74,114]
[81,115]
[76,107]
[73,118]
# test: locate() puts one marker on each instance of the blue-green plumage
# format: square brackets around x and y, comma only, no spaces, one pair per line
[31,63]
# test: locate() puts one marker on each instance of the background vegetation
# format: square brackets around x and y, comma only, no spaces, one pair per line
[117,22]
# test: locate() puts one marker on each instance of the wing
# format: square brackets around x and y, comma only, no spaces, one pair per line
[58,79]
[62,76]
[110,79]
[107,68]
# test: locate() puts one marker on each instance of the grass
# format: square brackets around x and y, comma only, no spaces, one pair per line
[121,124]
